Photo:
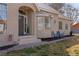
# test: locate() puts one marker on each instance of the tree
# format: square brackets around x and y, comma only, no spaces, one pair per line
[70,12]
[66,10]
[57,6]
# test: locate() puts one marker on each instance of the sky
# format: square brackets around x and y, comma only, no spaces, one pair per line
[76,5]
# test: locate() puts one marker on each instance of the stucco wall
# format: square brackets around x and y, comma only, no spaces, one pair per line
[12,21]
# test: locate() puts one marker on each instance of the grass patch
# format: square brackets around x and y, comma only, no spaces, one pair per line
[53,49]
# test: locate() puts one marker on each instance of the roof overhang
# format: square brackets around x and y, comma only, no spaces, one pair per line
[64,17]
[45,7]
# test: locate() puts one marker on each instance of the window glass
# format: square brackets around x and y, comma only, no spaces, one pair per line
[40,23]
[47,22]
[60,25]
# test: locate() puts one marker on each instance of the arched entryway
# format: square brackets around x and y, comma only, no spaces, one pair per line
[25,20]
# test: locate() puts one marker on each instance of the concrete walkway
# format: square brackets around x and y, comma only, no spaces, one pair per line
[19,47]
[77,34]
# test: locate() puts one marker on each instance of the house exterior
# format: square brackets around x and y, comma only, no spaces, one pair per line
[75,28]
[27,22]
